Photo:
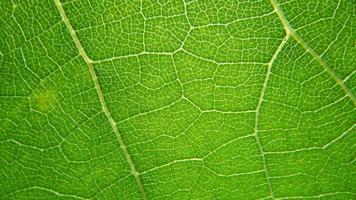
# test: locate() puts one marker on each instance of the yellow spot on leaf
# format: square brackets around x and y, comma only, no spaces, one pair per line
[43,101]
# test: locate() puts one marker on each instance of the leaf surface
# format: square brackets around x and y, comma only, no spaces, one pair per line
[177,99]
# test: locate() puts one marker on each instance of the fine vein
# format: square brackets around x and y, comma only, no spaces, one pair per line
[289,30]
[89,62]
[258,108]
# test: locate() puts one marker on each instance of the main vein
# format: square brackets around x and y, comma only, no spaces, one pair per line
[89,62]
[289,30]
[258,108]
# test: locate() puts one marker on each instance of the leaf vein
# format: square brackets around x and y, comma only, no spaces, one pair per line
[89,62]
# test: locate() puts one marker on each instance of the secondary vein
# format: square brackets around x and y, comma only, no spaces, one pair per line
[289,30]
[104,106]
[258,108]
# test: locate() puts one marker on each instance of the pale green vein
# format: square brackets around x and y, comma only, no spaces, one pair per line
[318,196]
[339,137]
[89,62]
[58,194]
[289,30]
[258,108]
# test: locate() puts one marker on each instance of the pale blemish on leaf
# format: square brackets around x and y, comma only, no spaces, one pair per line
[44,101]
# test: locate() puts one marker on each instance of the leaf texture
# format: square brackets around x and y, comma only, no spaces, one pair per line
[177,99]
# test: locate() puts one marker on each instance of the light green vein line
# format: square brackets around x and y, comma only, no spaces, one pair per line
[43,189]
[89,62]
[258,108]
[289,30]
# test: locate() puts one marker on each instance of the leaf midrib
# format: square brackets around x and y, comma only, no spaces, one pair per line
[102,100]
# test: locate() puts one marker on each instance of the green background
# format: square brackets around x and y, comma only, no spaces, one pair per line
[213,99]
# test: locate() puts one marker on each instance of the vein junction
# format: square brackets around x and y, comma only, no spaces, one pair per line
[89,62]
[290,31]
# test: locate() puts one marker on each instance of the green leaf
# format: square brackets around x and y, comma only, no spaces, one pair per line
[174,99]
